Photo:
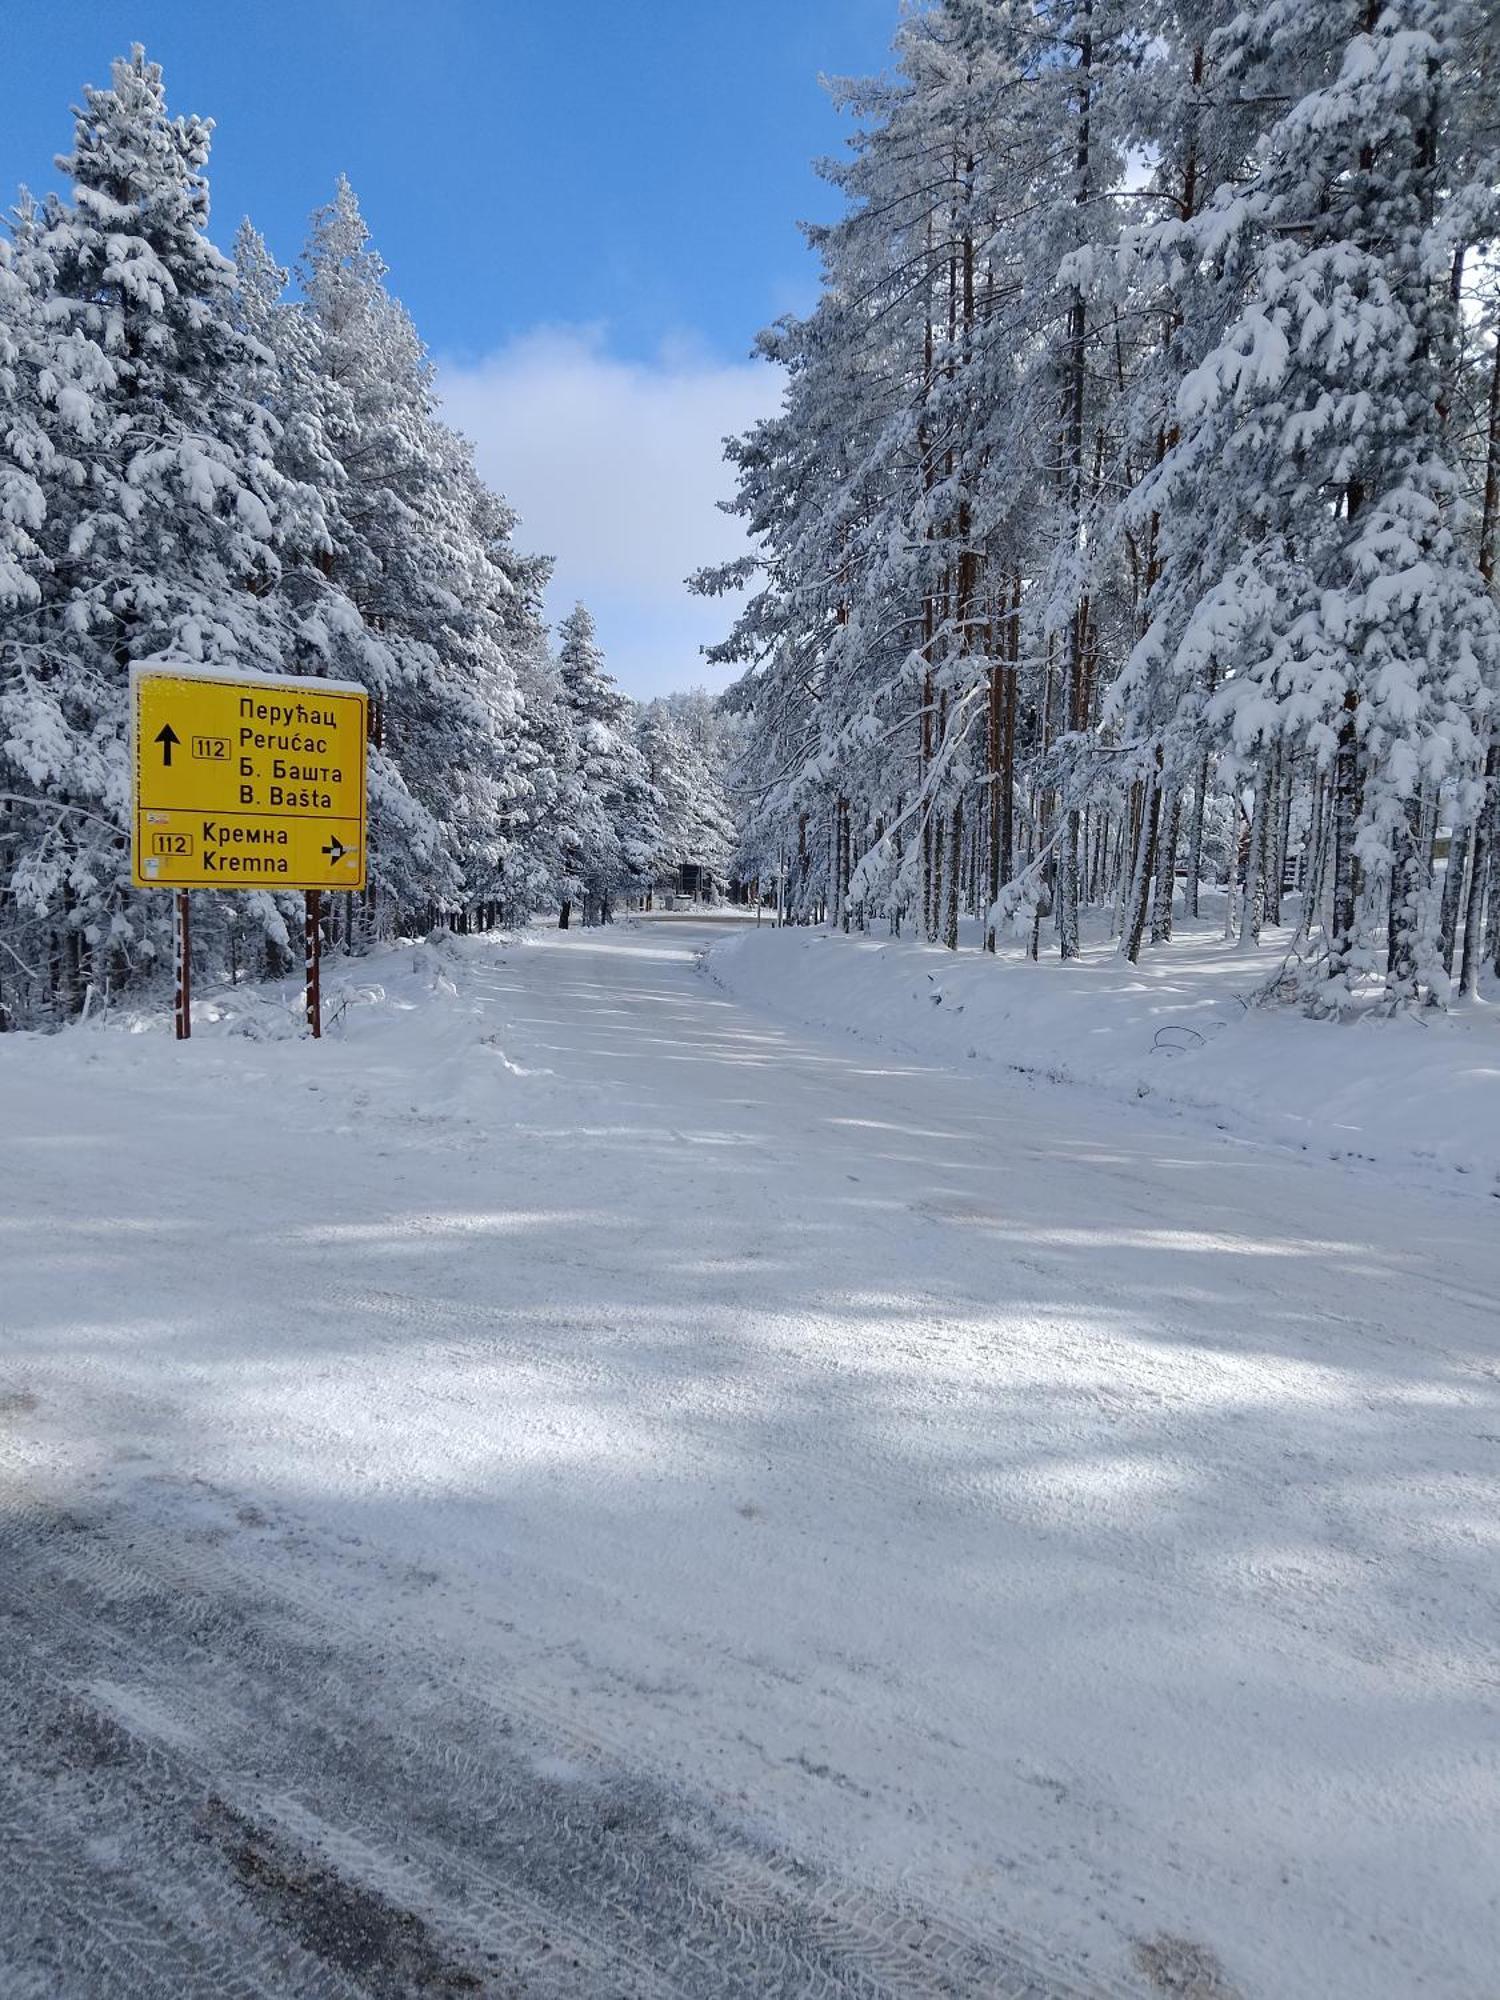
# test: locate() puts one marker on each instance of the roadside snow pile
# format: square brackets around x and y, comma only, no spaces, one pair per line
[357,992]
[1178,1029]
[424,1007]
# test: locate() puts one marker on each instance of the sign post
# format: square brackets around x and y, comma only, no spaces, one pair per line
[312,952]
[182,982]
[247,781]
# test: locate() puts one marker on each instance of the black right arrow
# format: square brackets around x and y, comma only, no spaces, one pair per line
[166,736]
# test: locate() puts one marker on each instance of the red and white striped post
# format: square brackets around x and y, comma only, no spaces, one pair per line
[182,972]
[312,951]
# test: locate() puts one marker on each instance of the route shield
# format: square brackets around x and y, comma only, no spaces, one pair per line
[242,781]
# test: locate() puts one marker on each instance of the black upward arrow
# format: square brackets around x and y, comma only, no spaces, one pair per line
[166,736]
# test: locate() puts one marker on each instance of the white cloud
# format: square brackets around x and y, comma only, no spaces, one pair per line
[615,467]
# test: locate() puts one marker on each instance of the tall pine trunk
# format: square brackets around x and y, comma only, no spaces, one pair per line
[1074,383]
[1455,881]
[1254,908]
[1166,872]
[1344,808]
[1487,811]
[1195,838]
[1480,870]
[955,864]
[1141,873]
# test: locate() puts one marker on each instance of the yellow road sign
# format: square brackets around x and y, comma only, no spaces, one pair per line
[245,782]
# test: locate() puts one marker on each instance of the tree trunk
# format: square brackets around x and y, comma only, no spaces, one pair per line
[1166,872]
[1407,907]
[1312,848]
[993,738]
[1487,812]
[1344,916]
[1454,883]
[1067,889]
[1255,861]
[1285,775]
[1140,881]
[955,864]
[1483,844]
[1195,838]
[1074,385]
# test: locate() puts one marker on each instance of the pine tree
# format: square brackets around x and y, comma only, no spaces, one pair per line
[1314,563]
[196,467]
[1116,510]
[420,550]
[159,537]
[608,808]
[683,746]
[32,386]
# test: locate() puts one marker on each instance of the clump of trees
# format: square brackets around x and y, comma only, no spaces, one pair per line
[198,463]
[1132,514]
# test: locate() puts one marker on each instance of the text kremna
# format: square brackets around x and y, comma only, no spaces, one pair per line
[267,847]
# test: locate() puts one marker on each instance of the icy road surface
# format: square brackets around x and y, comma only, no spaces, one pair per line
[570,1489]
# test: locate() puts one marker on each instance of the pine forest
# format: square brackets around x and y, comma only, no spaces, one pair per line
[200,464]
[1131,520]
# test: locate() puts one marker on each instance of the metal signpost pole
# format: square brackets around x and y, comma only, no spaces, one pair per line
[182,986]
[312,942]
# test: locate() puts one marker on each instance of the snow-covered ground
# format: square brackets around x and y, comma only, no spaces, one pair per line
[576,1486]
[1416,1095]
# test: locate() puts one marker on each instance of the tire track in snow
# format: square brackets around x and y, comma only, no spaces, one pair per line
[552,1723]
[171,1655]
[614,1877]
[108,1890]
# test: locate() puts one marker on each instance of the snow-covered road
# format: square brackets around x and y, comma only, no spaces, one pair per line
[570,1488]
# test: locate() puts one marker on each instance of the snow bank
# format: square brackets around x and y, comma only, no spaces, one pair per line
[253,1037]
[1179,1030]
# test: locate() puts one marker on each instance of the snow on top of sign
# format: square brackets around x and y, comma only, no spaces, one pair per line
[194,670]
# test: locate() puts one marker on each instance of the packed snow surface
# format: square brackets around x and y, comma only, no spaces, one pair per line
[577,1485]
[1185,1028]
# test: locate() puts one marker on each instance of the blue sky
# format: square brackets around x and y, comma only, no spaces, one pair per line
[589,210]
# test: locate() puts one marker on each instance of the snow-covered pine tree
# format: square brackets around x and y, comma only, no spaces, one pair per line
[526,735]
[45,417]
[1186,132]
[195,466]
[923,506]
[415,550]
[330,636]
[25,448]
[1315,563]
[709,827]
[159,539]
[662,753]
[683,745]
[1081,548]
[377,417]
[544,833]
[608,807]
[481,702]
